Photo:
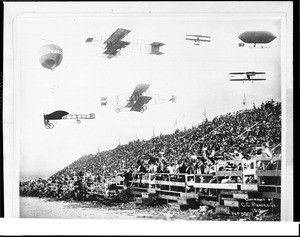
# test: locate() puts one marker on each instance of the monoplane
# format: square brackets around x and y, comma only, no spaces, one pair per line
[198,39]
[248,76]
[115,43]
[60,115]
[138,100]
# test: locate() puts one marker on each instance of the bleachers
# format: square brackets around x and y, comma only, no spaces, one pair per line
[224,157]
[197,189]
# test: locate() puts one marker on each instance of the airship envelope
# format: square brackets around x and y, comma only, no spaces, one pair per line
[257,37]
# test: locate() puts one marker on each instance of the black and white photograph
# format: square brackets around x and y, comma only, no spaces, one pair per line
[149,111]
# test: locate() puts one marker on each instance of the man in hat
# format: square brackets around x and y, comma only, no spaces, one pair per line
[265,150]
[152,167]
[141,168]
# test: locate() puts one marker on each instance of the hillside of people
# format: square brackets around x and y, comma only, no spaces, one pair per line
[237,135]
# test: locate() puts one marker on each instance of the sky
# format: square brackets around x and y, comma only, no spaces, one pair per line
[197,75]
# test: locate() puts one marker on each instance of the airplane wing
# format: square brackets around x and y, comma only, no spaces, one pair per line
[117,36]
[256,79]
[198,40]
[138,105]
[191,39]
[237,73]
[238,79]
[88,40]
[59,114]
[113,49]
[140,88]
[204,36]
[259,73]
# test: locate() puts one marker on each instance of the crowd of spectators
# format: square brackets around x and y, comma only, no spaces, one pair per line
[78,186]
[229,137]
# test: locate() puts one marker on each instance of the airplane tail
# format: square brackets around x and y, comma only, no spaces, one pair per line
[155,46]
[173,98]
[103,101]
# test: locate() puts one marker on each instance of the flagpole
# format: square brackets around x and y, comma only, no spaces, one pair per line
[175,124]
[244,101]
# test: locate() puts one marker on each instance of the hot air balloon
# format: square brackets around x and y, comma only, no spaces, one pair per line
[50,56]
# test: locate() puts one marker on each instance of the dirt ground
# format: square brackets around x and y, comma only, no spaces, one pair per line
[31,207]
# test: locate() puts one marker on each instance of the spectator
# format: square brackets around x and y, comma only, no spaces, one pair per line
[141,168]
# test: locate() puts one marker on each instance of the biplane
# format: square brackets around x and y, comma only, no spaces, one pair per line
[60,115]
[248,76]
[114,44]
[138,100]
[198,39]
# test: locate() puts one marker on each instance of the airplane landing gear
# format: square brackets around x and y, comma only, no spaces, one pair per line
[49,125]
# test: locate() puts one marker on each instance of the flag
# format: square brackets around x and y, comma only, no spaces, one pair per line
[117,101]
[244,100]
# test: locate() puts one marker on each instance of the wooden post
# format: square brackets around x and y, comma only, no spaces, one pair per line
[258,180]
[272,205]
[243,176]
[169,182]
[185,185]
[219,196]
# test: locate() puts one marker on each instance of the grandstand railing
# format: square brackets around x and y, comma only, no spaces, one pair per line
[174,186]
[167,185]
